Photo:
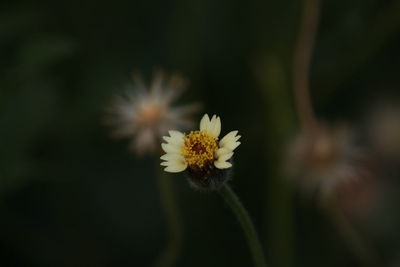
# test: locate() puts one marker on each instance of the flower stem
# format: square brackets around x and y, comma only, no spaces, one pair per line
[361,249]
[173,248]
[301,63]
[247,225]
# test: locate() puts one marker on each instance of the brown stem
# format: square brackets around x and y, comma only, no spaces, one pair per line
[362,250]
[301,64]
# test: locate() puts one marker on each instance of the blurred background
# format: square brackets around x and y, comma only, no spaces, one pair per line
[72,196]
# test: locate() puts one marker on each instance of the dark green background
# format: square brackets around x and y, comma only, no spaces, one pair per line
[71,196]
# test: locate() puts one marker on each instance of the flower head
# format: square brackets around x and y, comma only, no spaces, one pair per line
[325,159]
[204,157]
[145,113]
[383,130]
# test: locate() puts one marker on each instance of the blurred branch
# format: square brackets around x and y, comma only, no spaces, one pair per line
[301,63]
[360,248]
[173,248]
[273,80]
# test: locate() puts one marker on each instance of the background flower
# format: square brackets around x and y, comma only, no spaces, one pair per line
[383,130]
[326,159]
[146,113]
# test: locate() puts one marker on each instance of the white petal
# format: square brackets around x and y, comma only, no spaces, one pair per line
[205,123]
[231,136]
[176,134]
[177,167]
[222,151]
[215,126]
[218,127]
[210,128]
[225,157]
[170,156]
[171,148]
[172,162]
[213,120]
[174,140]
[237,137]
[222,165]
[231,145]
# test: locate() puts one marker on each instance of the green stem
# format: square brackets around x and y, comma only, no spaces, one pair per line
[247,225]
[361,249]
[279,115]
[173,248]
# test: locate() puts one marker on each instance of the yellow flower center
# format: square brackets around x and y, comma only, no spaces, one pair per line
[199,148]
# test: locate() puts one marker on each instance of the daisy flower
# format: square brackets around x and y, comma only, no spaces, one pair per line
[145,112]
[325,160]
[204,157]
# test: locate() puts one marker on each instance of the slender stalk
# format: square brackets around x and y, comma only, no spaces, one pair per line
[247,225]
[360,248]
[279,115]
[173,248]
[301,63]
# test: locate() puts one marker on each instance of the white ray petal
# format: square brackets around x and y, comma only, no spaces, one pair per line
[222,151]
[174,140]
[225,157]
[231,136]
[205,123]
[171,148]
[217,129]
[213,119]
[231,145]
[176,134]
[210,129]
[170,156]
[215,126]
[176,167]
[222,165]
[173,162]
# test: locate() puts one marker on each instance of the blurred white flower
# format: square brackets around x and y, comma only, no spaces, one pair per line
[360,197]
[145,113]
[384,131]
[325,159]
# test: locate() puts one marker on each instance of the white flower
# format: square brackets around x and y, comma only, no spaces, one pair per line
[145,113]
[200,150]
[325,159]
[383,130]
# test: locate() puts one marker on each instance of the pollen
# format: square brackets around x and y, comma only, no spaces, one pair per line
[199,149]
